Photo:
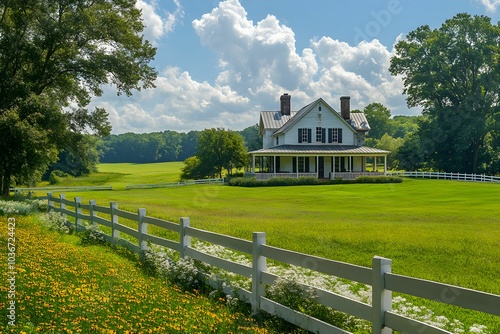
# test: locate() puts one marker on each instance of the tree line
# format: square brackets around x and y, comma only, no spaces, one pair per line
[163,146]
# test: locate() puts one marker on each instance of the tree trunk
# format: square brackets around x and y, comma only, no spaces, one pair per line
[5,184]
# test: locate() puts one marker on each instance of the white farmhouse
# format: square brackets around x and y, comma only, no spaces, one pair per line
[314,141]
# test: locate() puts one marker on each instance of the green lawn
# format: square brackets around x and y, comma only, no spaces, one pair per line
[446,231]
[122,174]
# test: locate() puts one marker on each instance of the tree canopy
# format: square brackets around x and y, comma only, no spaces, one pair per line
[453,72]
[217,150]
[54,56]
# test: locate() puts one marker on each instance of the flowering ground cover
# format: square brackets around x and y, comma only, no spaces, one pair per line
[63,287]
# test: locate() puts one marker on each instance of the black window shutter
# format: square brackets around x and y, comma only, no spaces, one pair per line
[340,136]
[300,135]
[306,163]
[323,135]
[330,135]
[309,135]
[294,163]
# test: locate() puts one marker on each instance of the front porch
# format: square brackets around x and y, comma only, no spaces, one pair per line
[320,161]
[333,175]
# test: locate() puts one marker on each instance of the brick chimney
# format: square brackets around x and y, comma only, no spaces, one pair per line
[285,104]
[345,107]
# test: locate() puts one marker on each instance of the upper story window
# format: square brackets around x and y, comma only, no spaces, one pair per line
[277,141]
[335,135]
[320,135]
[304,135]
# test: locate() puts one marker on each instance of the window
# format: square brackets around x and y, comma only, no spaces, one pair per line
[318,135]
[301,164]
[304,136]
[335,135]
[277,141]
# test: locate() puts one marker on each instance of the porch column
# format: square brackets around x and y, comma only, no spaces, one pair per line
[385,165]
[253,163]
[374,164]
[317,167]
[274,165]
[333,166]
[297,165]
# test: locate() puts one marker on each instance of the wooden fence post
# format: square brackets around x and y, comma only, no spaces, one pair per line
[50,202]
[259,265]
[185,240]
[62,206]
[92,214]
[142,228]
[115,234]
[381,298]
[78,212]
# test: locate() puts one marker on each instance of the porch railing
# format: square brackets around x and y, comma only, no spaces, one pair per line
[343,175]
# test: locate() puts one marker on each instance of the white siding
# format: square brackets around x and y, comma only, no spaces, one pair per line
[328,119]
[267,140]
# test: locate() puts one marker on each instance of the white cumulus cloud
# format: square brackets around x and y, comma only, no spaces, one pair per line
[490,5]
[257,61]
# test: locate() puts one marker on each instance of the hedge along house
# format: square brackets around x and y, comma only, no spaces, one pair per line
[314,141]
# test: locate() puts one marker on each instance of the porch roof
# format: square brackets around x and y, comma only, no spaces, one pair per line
[320,150]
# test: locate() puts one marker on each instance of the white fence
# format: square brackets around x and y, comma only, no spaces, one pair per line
[449,176]
[62,189]
[175,184]
[379,276]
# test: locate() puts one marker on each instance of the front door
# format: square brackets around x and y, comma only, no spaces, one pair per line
[321,167]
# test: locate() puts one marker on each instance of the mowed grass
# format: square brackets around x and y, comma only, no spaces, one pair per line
[122,174]
[445,231]
[62,287]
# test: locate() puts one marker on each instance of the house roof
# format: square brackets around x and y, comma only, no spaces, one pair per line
[320,150]
[297,117]
[359,121]
[274,120]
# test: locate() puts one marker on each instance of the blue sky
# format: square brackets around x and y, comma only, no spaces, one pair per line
[221,62]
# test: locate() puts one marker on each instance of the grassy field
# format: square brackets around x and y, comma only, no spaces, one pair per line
[122,174]
[445,231]
[63,287]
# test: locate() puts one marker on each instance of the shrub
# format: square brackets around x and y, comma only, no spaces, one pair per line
[56,175]
[156,261]
[187,274]
[54,221]
[379,179]
[92,235]
[22,208]
[290,293]
[275,181]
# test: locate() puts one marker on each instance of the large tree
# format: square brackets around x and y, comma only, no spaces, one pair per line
[59,53]
[217,150]
[453,72]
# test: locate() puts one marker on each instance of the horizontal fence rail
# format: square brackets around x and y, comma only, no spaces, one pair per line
[175,184]
[448,176]
[63,189]
[379,276]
